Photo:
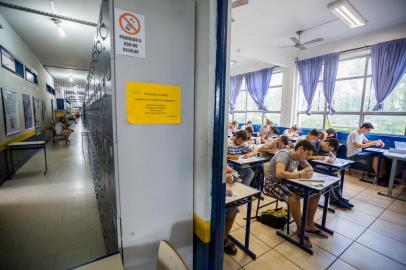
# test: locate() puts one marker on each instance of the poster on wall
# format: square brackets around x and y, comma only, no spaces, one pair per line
[37,111]
[27,111]
[10,110]
[7,60]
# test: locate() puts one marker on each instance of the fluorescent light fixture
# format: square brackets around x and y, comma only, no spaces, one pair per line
[52,6]
[60,30]
[347,13]
[71,78]
[232,62]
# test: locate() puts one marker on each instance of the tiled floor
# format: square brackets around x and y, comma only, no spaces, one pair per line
[52,221]
[371,236]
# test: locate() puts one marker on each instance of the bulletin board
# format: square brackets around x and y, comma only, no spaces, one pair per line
[27,111]
[10,112]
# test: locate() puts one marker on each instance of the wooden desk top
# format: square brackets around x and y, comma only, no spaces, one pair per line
[328,180]
[240,191]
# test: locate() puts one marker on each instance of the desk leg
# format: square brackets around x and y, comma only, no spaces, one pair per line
[12,162]
[379,170]
[342,174]
[46,163]
[304,217]
[392,182]
[324,217]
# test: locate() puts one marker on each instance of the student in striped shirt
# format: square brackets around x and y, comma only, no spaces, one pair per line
[237,147]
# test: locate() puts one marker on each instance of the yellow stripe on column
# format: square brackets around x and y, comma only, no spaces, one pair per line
[201,229]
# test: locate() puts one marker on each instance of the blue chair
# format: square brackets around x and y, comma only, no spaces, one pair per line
[358,165]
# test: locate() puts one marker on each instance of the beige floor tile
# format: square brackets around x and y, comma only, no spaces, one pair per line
[271,260]
[394,217]
[266,234]
[344,227]
[389,229]
[319,260]
[349,193]
[385,245]
[335,244]
[341,265]
[356,216]
[256,245]
[398,207]
[229,263]
[362,257]
[367,208]
[373,198]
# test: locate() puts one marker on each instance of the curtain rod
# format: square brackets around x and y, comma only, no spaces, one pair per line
[347,51]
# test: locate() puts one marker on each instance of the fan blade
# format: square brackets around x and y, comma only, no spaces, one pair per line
[237,3]
[313,41]
[289,46]
[295,40]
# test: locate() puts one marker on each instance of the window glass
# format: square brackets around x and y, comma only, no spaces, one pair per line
[240,117]
[241,102]
[230,117]
[348,95]
[255,118]
[273,99]
[387,124]
[395,102]
[276,79]
[311,121]
[369,70]
[342,122]
[318,100]
[251,105]
[351,68]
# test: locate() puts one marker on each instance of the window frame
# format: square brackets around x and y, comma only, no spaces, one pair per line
[361,113]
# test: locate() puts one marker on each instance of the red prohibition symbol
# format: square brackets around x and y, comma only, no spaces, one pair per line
[129,23]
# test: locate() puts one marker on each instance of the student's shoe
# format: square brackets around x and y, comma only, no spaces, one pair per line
[340,204]
[346,202]
[229,248]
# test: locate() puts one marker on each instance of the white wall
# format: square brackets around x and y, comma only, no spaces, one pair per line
[10,40]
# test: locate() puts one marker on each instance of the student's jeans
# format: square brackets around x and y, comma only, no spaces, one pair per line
[246,175]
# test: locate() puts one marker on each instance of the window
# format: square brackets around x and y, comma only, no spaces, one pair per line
[247,109]
[352,89]
[31,76]
[9,62]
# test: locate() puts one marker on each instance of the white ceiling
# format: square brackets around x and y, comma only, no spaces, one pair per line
[62,74]
[263,25]
[41,34]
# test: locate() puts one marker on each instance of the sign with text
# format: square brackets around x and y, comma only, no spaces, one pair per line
[149,103]
[129,33]
[12,123]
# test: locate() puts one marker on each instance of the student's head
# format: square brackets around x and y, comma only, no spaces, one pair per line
[331,133]
[240,137]
[268,122]
[294,128]
[273,131]
[304,149]
[330,145]
[249,123]
[366,128]
[234,124]
[323,135]
[62,119]
[249,131]
[282,142]
[313,134]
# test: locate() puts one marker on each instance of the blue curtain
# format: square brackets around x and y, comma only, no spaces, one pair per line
[309,72]
[258,85]
[329,79]
[388,60]
[235,85]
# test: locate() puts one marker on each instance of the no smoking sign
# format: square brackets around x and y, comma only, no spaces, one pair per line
[129,33]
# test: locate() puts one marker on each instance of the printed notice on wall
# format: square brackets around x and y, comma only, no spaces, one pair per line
[129,33]
[12,123]
[149,103]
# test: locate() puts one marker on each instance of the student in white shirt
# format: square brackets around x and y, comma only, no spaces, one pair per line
[248,124]
[232,128]
[61,129]
[356,141]
[291,132]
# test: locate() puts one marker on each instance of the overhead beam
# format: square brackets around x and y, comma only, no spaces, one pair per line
[67,67]
[47,14]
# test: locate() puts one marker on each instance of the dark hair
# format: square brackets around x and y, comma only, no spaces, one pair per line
[307,146]
[284,140]
[60,118]
[249,122]
[294,127]
[234,122]
[367,125]
[333,142]
[331,131]
[274,130]
[314,132]
[249,130]
[241,134]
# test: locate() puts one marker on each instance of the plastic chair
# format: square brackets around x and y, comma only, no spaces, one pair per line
[169,258]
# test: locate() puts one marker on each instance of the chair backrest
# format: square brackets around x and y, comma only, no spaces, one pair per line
[342,151]
[266,169]
[169,258]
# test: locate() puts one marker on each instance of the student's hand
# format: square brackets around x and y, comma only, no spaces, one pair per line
[305,174]
[229,191]
[330,160]
[246,156]
[381,144]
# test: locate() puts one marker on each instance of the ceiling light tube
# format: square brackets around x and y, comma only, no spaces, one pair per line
[347,13]
[61,32]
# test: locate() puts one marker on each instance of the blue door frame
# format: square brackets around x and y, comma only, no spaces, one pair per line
[216,255]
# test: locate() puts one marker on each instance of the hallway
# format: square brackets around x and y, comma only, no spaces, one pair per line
[51,221]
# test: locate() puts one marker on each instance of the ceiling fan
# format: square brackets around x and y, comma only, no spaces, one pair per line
[298,44]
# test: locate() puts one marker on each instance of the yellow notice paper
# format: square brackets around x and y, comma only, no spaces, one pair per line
[149,103]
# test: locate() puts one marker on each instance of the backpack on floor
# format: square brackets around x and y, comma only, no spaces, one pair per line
[276,218]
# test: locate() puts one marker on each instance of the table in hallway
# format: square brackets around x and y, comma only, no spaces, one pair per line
[18,146]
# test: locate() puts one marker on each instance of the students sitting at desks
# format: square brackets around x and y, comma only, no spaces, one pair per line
[265,128]
[284,166]
[62,129]
[275,145]
[313,135]
[322,135]
[250,131]
[291,132]
[232,128]
[229,246]
[237,147]
[331,133]
[272,132]
[356,140]
[248,124]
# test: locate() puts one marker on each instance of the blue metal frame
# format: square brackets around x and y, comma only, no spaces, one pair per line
[218,188]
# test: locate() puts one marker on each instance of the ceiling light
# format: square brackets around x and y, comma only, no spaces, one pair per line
[232,62]
[347,13]
[71,78]
[61,32]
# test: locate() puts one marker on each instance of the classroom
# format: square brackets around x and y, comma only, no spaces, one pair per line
[202,134]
